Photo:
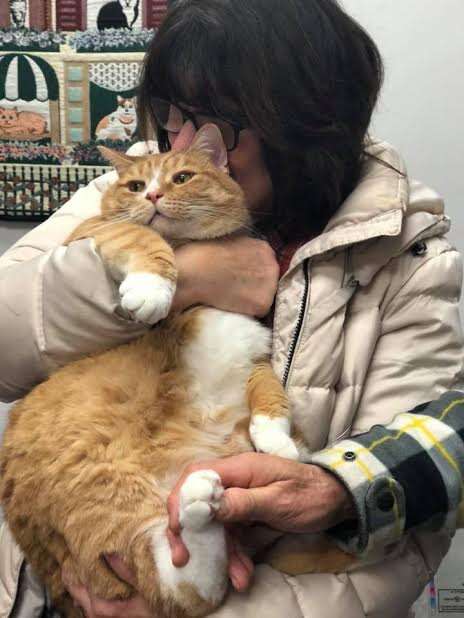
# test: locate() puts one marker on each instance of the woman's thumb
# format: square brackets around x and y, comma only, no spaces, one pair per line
[242,505]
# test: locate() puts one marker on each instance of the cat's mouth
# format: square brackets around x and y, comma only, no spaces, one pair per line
[152,218]
[158,215]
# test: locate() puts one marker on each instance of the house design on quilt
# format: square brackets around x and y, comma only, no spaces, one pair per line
[69,71]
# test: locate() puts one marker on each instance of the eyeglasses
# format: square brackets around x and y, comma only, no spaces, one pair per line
[172,118]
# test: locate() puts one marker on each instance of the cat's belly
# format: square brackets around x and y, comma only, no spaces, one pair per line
[221,357]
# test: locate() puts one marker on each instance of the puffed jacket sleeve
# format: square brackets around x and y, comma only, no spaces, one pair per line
[57,303]
[408,472]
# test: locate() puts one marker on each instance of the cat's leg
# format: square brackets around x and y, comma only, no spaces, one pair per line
[203,581]
[141,260]
[270,424]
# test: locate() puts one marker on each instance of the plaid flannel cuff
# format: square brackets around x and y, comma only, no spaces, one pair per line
[379,499]
[407,474]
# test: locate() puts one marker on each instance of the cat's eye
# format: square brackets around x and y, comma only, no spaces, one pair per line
[136,186]
[182,177]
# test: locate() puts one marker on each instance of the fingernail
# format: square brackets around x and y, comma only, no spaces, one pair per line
[234,571]
[234,582]
[221,513]
[246,561]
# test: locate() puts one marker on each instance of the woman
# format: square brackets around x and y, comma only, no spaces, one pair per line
[366,314]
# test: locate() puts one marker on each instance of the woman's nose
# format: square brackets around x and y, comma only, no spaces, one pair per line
[184,138]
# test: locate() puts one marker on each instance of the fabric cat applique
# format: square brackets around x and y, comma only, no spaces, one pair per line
[21,123]
[118,14]
[120,124]
[18,13]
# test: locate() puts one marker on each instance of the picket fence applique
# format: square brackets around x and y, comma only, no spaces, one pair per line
[69,71]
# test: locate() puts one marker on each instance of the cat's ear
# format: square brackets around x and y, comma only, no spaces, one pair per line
[120,161]
[209,139]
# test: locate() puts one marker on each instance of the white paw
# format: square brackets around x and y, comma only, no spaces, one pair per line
[271,435]
[200,496]
[147,297]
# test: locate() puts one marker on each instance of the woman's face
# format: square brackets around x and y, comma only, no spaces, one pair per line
[246,165]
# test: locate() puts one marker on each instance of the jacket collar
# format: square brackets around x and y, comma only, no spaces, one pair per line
[377,206]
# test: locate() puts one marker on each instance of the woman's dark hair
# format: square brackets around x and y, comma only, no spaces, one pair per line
[303,73]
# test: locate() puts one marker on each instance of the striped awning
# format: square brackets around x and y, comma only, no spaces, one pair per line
[27,77]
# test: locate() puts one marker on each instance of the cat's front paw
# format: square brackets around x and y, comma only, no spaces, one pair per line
[200,496]
[271,436]
[146,296]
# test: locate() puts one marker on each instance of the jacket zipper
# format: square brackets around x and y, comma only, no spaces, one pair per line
[299,324]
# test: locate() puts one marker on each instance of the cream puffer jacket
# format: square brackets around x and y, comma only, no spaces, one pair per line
[366,326]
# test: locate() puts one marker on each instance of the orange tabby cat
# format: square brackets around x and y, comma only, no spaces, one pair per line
[91,455]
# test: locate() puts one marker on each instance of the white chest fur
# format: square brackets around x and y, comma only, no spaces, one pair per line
[221,357]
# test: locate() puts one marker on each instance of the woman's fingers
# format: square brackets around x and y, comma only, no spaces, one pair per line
[179,553]
[94,607]
[136,607]
[246,470]
[241,567]
[80,597]
[117,564]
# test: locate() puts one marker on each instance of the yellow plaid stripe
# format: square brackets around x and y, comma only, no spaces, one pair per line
[415,423]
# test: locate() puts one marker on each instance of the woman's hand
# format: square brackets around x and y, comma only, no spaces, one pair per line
[286,495]
[94,607]
[136,606]
[238,274]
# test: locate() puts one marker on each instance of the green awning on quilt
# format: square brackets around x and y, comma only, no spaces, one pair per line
[27,77]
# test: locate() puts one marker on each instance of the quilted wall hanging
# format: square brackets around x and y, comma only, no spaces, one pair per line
[69,70]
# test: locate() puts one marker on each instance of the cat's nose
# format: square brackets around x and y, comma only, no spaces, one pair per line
[154,196]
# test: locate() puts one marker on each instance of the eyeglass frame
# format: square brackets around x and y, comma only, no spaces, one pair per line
[186,114]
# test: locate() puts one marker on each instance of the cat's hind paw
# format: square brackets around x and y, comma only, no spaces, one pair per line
[147,296]
[200,496]
[271,436]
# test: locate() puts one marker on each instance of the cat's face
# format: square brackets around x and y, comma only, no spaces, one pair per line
[8,117]
[126,110]
[182,195]
[18,11]
[129,4]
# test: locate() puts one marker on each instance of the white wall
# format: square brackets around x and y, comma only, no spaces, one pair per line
[421,110]
[10,232]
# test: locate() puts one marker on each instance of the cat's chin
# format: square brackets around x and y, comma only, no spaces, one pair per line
[160,218]
[167,227]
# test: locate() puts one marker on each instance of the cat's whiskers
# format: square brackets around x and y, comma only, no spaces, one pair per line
[214,214]
[143,210]
[191,211]
[114,219]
